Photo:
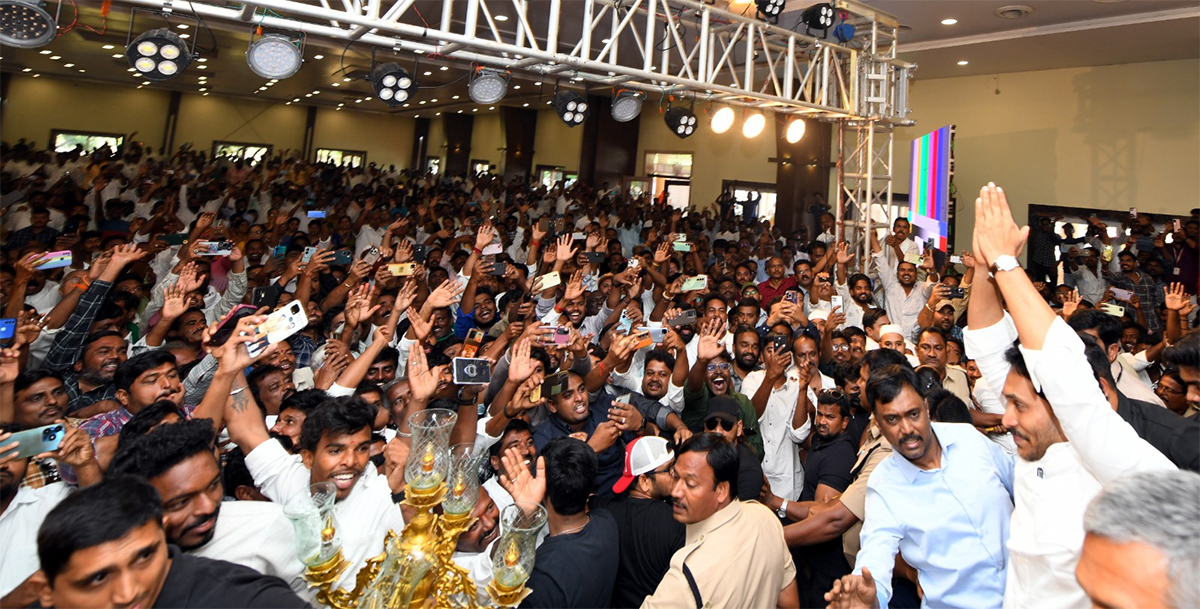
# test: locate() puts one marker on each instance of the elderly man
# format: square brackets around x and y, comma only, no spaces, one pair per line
[734,555]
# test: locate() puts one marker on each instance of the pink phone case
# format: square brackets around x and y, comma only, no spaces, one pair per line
[55,260]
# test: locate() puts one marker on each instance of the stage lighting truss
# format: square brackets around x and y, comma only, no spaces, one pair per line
[818,17]
[158,54]
[26,24]
[681,121]
[770,9]
[275,56]
[393,84]
[571,107]
[627,105]
[487,86]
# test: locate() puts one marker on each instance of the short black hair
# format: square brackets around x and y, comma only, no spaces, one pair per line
[659,355]
[878,359]
[155,453]
[571,467]
[305,401]
[846,373]
[870,316]
[335,416]
[1097,358]
[928,380]
[234,473]
[1185,352]
[934,330]
[888,382]
[95,515]
[721,456]
[836,397]
[257,375]
[29,377]
[945,407]
[857,277]
[145,420]
[1108,327]
[129,370]
[388,354]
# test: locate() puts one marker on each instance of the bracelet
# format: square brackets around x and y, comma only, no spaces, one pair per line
[930,309]
[510,416]
[535,243]
[476,251]
[558,308]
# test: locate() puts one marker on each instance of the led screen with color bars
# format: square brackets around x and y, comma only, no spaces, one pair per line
[929,190]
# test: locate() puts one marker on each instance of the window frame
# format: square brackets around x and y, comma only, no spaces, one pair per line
[54,133]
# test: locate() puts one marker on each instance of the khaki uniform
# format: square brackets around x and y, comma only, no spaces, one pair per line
[872,453]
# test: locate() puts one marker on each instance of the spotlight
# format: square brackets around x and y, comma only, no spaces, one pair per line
[393,84]
[681,121]
[770,9]
[818,17]
[795,130]
[571,107]
[754,125]
[274,56]
[626,106]
[158,54]
[722,120]
[487,86]
[26,24]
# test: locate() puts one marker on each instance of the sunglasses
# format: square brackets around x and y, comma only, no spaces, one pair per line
[718,367]
[835,394]
[842,347]
[711,424]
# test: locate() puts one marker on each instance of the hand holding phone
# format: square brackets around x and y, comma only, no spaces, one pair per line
[278,327]
[35,441]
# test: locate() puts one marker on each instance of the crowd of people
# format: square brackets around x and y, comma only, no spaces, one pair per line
[711,412]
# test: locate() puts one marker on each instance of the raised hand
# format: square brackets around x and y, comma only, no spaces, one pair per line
[405,297]
[844,255]
[521,365]
[9,360]
[446,294]
[563,252]
[853,592]
[1175,298]
[996,233]
[420,327]
[126,254]
[422,380]
[710,345]
[404,251]
[574,287]
[358,305]
[174,301]
[1070,303]
[516,479]
[484,236]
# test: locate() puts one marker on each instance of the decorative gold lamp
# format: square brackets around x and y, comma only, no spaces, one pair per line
[417,569]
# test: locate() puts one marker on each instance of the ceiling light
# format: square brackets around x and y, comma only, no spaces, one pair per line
[202,59]
[182,26]
[308,95]
[428,74]
[45,52]
[444,68]
[117,55]
[27,70]
[81,71]
[460,111]
[963,62]
[501,17]
[474,109]
[487,86]
[392,83]
[537,84]
[525,105]
[108,47]
[515,87]
[754,125]
[159,54]
[68,65]
[1014,11]
[55,57]
[203,89]
[571,108]
[795,130]
[627,105]
[318,57]
[818,17]
[185,35]
[26,24]
[681,121]
[433,101]
[274,56]
[201,67]
[335,84]
[950,21]
[346,79]
[453,97]
[36,75]
[262,88]
[491,107]
[722,120]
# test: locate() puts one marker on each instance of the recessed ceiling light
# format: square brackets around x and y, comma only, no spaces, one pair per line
[56,57]
[406,105]
[108,47]
[429,73]
[262,88]
[318,57]
[335,84]
[68,65]
[203,89]
[296,100]
[525,105]
[206,95]
[950,21]
[516,86]
[347,79]
[433,101]
[139,86]
[36,75]
[474,109]
[454,97]
[963,62]
[27,70]
[81,70]
[437,114]
[131,70]
[416,116]
[358,101]
[308,95]
[202,59]
[444,68]
[422,102]
[491,107]
[145,82]
[185,35]
[117,55]
[537,84]
[501,17]
[47,52]
[460,111]
[182,26]
[1014,11]
[201,67]
[367,98]
[341,104]
[286,103]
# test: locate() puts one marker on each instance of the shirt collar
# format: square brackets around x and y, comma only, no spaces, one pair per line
[911,472]
[697,530]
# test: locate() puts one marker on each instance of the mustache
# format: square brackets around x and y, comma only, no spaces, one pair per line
[203,521]
[912,437]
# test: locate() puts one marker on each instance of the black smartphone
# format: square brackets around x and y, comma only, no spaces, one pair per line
[499,268]
[266,296]
[685,318]
[420,251]
[472,371]
[957,292]
[779,343]
[554,384]
[594,257]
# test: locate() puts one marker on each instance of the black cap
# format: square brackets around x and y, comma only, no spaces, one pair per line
[724,407]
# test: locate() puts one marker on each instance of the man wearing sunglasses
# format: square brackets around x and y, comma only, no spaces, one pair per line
[712,376]
[724,417]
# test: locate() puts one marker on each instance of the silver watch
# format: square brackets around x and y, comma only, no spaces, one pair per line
[782,511]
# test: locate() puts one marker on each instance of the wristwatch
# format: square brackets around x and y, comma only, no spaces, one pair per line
[1005,263]
[782,511]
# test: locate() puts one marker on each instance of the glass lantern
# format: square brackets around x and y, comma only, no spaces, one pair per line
[462,490]
[430,456]
[311,512]
[512,562]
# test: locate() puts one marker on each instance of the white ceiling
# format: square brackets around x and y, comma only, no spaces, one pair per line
[1057,34]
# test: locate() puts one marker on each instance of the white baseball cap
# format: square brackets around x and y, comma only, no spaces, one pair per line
[643,455]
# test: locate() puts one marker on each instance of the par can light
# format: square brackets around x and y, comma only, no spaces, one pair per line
[158,54]
[26,24]
[487,86]
[274,56]
[393,84]
[723,119]
[681,122]
[571,107]
[626,106]
[818,16]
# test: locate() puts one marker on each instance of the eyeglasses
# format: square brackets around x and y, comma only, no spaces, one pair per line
[711,424]
[1159,387]
[840,347]
[718,368]
[833,394]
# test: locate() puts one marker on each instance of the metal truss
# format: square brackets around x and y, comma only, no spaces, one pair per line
[688,48]
[864,182]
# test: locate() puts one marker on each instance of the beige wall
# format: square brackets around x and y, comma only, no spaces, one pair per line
[554,143]
[387,139]
[37,105]
[1109,137]
[487,137]
[437,140]
[203,120]
[715,157]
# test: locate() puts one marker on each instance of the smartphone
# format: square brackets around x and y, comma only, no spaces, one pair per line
[685,318]
[499,269]
[956,260]
[229,323]
[562,336]
[594,257]
[549,280]
[372,255]
[420,252]
[956,293]
[494,249]
[644,341]
[634,263]
[699,282]
[779,343]
[55,260]
[912,259]
[316,214]
[343,257]
[791,296]
[835,301]
[679,238]
[624,399]
[471,371]
[1120,294]
[265,296]
[404,269]
[278,327]
[555,384]
[625,323]
[214,248]
[1178,225]
[173,239]
[8,328]
[36,441]
[308,254]
[681,246]
[1112,309]
[579,236]
[656,334]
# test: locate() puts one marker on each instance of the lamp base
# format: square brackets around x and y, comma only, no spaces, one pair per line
[504,596]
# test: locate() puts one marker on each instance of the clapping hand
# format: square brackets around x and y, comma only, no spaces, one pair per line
[996,233]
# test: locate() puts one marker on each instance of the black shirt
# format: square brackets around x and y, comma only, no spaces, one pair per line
[829,463]
[611,462]
[1174,436]
[201,582]
[750,473]
[577,569]
[858,423]
[649,536]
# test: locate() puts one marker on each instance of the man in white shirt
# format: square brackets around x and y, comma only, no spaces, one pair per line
[780,397]
[905,297]
[335,446]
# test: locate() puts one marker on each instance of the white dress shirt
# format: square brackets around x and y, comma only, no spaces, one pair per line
[19,526]
[364,517]
[1130,383]
[781,458]
[273,551]
[903,309]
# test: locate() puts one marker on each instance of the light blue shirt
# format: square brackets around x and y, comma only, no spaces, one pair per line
[951,523]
